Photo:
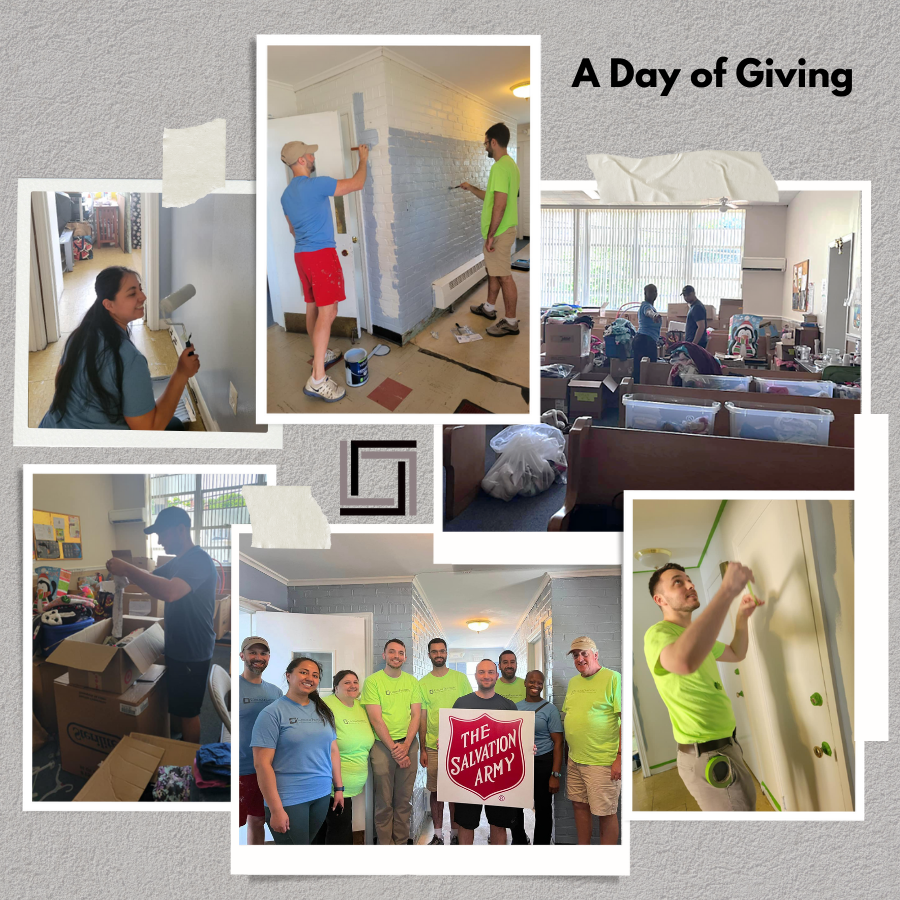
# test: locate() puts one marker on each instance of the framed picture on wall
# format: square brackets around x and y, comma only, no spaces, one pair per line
[800,287]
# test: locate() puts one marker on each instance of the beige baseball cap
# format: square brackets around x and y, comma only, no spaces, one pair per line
[582,643]
[250,641]
[293,150]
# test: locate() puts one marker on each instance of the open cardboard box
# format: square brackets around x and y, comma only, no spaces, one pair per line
[94,665]
[125,773]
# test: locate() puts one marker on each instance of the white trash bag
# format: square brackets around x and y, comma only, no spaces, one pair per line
[530,459]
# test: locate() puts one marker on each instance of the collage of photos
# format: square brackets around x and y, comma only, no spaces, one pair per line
[689,391]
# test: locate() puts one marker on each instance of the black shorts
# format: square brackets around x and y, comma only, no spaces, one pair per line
[468,815]
[186,684]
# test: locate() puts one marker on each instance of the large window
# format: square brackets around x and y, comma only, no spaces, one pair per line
[214,503]
[604,257]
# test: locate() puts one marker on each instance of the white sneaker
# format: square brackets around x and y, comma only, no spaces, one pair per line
[331,357]
[329,391]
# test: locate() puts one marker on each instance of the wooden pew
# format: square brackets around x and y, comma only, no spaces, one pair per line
[840,434]
[658,373]
[464,450]
[606,462]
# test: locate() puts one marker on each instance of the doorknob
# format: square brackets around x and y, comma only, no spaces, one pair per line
[355,240]
[824,750]
[344,253]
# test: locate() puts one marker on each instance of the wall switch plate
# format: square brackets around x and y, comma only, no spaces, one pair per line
[232,397]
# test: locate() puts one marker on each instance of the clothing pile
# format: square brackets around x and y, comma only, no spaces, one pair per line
[691,359]
[212,773]
[173,784]
[618,338]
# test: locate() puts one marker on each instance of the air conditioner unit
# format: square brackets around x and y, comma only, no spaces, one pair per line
[127,516]
[762,264]
[451,287]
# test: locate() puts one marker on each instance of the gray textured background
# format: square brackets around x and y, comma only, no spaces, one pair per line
[87,91]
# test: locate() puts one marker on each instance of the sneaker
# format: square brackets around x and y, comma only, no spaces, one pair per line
[454,839]
[329,391]
[502,328]
[331,358]
[481,311]
[436,840]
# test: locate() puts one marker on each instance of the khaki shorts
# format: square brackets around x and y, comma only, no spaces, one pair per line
[498,261]
[431,781]
[593,785]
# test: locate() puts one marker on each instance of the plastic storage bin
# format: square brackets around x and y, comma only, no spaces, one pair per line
[717,382]
[795,424]
[847,392]
[649,413]
[795,388]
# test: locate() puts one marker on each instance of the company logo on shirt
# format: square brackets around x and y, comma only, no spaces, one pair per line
[266,700]
[397,691]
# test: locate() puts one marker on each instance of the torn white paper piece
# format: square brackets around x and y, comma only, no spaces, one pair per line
[286,518]
[703,175]
[193,162]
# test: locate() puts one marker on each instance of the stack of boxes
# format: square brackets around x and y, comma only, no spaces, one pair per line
[563,345]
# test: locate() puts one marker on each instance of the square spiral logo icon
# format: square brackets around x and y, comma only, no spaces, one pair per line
[355,454]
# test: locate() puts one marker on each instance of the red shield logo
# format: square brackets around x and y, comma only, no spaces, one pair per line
[485,755]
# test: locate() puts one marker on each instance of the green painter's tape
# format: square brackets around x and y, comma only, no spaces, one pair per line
[668,762]
[770,795]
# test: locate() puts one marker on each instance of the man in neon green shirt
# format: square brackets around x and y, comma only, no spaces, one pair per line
[393,702]
[682,657]
[499,218]
[592,720]
[507,684]
[441,688]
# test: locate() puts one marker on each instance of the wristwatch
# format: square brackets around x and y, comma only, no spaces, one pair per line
[338,788]
[556,774]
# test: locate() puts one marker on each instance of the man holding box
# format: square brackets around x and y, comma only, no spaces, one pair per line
[187,585]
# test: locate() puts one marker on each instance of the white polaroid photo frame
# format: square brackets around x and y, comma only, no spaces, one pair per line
[28,565]
[862,672]
[263,43]
[23,436]
[562,859]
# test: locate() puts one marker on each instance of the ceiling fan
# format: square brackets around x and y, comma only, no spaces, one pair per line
[723,204]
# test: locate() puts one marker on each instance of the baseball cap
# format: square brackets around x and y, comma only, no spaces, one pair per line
[293,150]
[582,643]
[168,518]
[688,289]
[253,639]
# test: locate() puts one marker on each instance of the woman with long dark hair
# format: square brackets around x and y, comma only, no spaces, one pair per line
[296,756]
[354,739]
[104,380]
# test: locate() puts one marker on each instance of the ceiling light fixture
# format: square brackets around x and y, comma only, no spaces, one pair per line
[478,624]
[522,89]
[654,557]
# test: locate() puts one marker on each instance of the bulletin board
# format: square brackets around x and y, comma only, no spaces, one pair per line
[55,535]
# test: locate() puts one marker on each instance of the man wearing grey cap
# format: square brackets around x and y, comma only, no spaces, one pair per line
[307,208]
[187,585]
[255,695]
[593,725]
[695,327]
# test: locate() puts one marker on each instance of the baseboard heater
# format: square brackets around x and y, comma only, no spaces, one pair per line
[451,287]
[186,406]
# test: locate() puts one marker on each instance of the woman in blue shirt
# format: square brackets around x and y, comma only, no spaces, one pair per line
[104,380]
[647,338]
[296,756]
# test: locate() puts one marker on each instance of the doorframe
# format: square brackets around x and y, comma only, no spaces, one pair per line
[824,652]
[639,735]
[150,256]
[46,243]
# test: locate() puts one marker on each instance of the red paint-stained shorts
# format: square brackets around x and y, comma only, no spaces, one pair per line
[251,799]
[321,276]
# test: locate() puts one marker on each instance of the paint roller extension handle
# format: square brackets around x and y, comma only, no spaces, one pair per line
[169,304]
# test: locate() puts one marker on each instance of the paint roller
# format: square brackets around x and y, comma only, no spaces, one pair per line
[118,606]
[168,305]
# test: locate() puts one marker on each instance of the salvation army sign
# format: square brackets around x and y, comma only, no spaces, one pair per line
[486,757]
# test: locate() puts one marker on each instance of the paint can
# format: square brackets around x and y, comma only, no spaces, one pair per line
[356,367]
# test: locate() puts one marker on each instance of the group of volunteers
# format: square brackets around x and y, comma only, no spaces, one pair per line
[303,758]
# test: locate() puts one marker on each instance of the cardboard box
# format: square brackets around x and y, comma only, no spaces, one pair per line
[567,340]
[43,674]
[175,753]
[137,603]
[717,342]
[784,352]
[621,368]
[677,310]
[555,393]
[124,774]
[222,619]
[579,362]
[94,665]
[729,308]
[91,723]
[585,398]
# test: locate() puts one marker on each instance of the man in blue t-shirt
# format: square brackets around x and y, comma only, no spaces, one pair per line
[695,328]
[255,696]
[307,208]
[187,585]
[647,337]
